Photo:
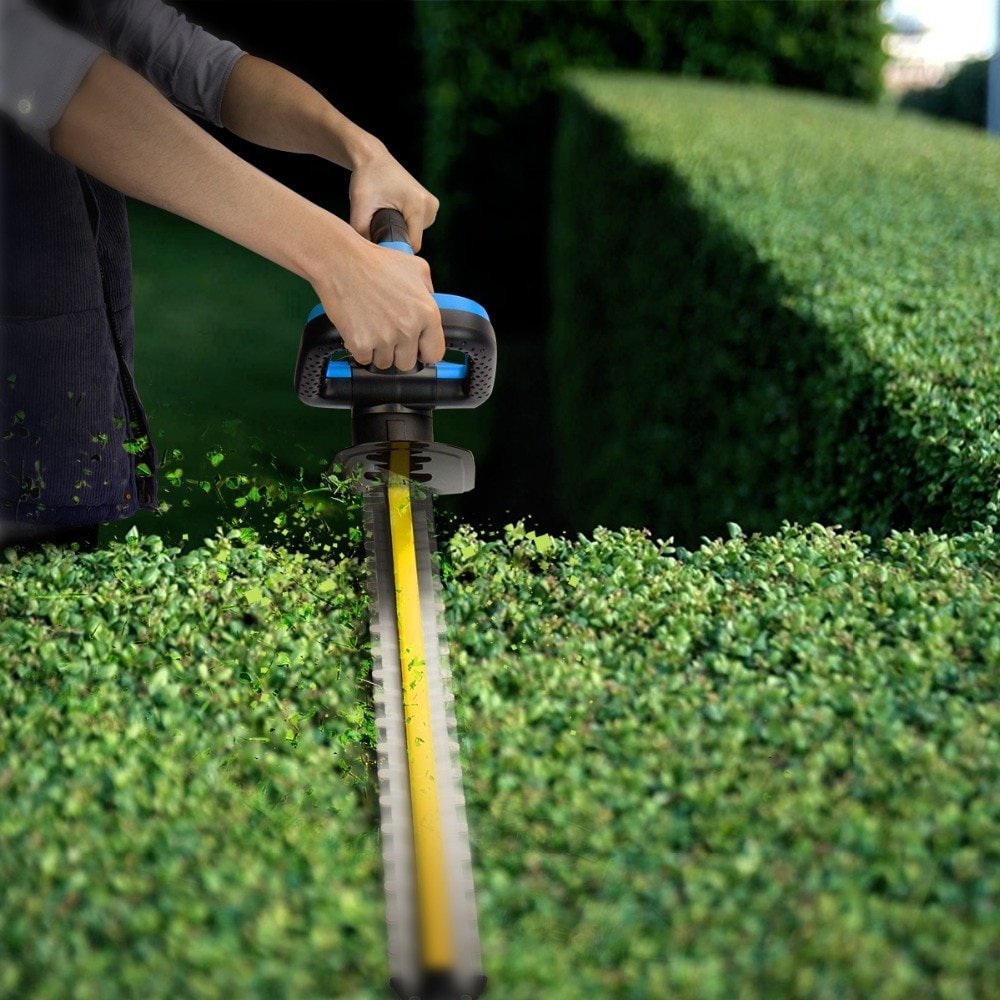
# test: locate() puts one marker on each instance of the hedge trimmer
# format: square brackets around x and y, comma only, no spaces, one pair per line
[397,466]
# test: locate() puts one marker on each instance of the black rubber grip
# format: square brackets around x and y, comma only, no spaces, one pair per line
[389,226]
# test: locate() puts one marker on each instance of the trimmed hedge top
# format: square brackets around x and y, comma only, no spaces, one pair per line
[884,231]
[769,765]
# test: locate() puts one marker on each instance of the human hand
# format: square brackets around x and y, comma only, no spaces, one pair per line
[379,181]
[380,300]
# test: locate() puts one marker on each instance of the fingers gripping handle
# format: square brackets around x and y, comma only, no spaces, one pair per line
[343,384]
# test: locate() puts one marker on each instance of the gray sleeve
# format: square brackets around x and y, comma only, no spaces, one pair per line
[41,66]
[184,62]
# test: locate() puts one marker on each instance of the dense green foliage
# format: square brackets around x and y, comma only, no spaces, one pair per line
[769,766]
[962,96]
[772,305]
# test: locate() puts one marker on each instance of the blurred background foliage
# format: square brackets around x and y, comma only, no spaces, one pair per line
[464,95]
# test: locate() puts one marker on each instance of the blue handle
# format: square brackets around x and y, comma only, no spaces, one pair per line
[443,300]
[326,375]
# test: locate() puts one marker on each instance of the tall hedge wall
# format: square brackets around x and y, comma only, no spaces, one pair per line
[491,74]
[769,304]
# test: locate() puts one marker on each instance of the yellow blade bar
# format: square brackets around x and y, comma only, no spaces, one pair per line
[428,844]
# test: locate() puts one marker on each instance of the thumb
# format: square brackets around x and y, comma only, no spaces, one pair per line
[416,234]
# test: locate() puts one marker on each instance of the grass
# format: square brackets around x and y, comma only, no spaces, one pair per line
[217,333]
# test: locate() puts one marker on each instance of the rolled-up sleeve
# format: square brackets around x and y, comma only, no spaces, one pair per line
[41,66]
[42,63]
[187,64]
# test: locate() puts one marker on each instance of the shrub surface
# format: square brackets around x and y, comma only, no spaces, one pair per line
[772,305]
[769,766]
[492,69]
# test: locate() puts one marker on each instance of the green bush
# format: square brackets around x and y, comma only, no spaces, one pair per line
[962,97]
[491,73]
[765,768]
[771,305]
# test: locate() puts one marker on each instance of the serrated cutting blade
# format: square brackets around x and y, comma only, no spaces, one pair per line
[431,919]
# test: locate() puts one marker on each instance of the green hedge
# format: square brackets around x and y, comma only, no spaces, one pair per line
[766,768]
[491,74]
[771,305]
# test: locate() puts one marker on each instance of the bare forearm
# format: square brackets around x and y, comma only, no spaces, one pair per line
[267,105]
[119,129]
[272,107]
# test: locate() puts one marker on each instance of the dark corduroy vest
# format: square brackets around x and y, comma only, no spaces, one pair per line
[68,400]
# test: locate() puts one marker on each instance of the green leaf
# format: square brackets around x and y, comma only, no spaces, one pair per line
[544,544]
